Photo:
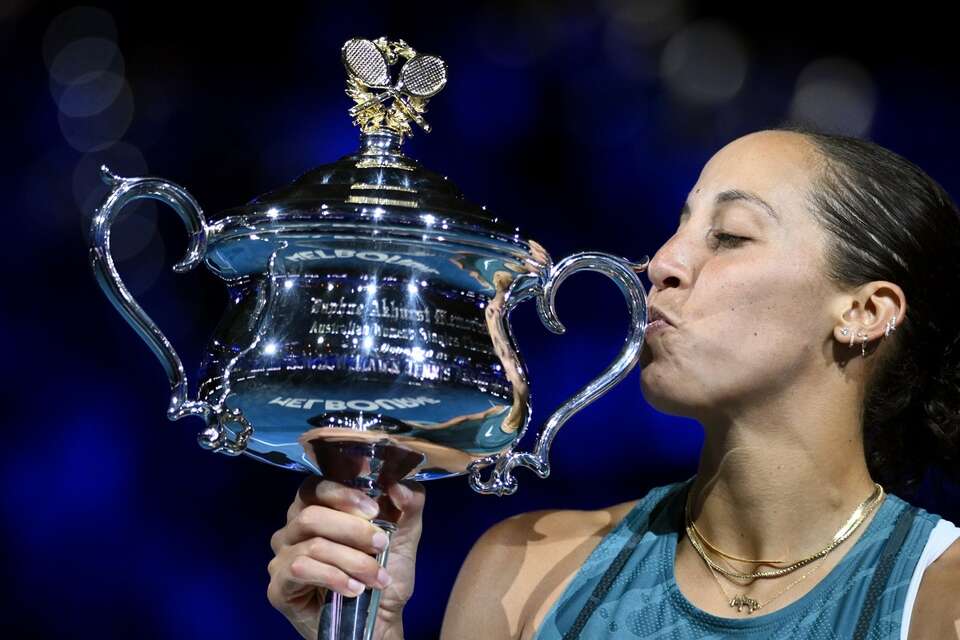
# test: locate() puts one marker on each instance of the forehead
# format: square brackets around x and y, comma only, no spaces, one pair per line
[776,165]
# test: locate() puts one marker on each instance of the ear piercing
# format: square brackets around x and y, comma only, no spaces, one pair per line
[890,328]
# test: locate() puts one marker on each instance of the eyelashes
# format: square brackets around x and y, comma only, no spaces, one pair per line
[728,240]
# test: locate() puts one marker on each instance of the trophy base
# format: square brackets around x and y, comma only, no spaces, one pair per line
[461,427]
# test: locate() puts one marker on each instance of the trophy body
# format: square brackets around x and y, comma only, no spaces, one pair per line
[365,322]
[366,336]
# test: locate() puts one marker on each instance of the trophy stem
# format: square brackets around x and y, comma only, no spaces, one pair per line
[345,618]
[371,466]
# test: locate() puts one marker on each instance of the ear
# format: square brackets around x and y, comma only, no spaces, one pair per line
[870,309]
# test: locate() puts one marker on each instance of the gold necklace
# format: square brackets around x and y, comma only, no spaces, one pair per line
[716,550]
[742,601]
[855,520]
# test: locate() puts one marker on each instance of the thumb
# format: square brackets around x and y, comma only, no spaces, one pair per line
[408,496]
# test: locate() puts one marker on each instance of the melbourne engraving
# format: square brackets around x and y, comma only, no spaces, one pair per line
[371,256]
[359,404]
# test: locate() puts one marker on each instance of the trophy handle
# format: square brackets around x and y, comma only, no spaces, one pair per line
[124,191]
[624,273]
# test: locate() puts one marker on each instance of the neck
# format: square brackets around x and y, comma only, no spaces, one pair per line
[769,493]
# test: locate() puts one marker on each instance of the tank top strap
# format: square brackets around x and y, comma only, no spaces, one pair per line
[883,604]
[626,587]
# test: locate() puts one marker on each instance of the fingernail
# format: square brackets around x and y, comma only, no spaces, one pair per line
[383,578]
[355,587]
[380,540]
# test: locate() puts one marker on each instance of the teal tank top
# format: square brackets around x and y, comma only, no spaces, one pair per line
[626,587]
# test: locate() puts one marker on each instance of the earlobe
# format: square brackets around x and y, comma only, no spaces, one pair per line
[863,336]
[855,335]
[847,334]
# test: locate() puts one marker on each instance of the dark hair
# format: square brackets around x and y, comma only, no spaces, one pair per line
[888,220]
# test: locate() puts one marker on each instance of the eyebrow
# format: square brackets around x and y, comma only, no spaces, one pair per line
[732,195]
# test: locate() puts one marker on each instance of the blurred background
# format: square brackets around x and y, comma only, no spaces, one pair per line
[584,123]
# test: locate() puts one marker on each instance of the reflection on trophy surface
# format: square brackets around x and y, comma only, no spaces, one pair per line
[367,334]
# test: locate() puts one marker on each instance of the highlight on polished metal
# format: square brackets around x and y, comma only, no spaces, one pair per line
[366,336]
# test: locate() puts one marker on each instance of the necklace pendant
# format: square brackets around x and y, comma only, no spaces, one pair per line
[741,602]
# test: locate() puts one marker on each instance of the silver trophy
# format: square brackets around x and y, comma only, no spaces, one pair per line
[367,335]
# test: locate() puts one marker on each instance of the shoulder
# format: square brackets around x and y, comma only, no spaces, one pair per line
[553,525]
[513,564]
[936,611]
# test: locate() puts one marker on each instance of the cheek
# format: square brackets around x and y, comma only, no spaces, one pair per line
[769,292]
[741,327]
[763,323]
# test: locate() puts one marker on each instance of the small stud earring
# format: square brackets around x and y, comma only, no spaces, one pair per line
[844,331]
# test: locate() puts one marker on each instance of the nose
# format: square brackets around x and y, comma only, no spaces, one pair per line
[666,268]
[642,266]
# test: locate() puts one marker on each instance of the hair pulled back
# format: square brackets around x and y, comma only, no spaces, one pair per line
[886,219]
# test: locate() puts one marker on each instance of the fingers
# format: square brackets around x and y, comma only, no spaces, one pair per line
[327,509]
[408,496]
[315,490]
[293,578]
[319,521]
[306,570]
[353,563]
[329,542]
[322,563]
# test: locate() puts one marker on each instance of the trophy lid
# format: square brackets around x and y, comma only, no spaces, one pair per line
[377,185]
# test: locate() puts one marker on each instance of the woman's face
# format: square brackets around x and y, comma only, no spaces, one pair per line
[752,317]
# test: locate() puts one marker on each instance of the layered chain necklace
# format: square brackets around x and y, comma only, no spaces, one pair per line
[742,601]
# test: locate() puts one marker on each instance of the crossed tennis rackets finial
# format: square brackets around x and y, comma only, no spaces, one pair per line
[421,76]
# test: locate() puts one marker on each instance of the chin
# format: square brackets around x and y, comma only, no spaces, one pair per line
[668,406]
[660,397]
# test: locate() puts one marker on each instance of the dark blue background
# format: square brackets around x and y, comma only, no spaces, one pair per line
[115,523]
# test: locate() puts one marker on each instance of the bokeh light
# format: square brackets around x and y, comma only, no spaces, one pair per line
[582,124]
[836,95]
[706,62]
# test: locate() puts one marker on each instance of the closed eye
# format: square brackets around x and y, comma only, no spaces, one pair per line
[728,240]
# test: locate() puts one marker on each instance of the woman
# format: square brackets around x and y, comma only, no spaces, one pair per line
[814,335]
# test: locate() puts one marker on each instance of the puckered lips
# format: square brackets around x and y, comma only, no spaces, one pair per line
[655,313]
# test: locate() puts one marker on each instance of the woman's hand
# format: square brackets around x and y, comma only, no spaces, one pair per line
[330,543]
